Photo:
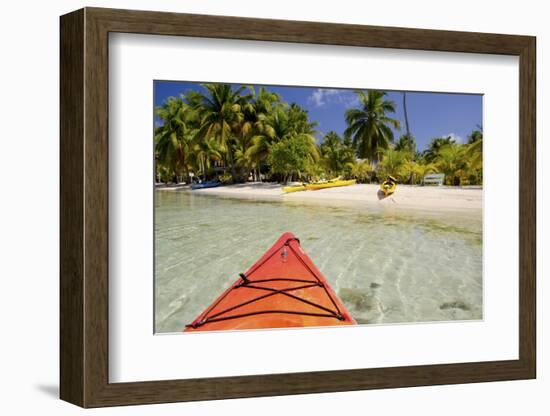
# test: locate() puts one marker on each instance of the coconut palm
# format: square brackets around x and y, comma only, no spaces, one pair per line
[221,112]
[407,130]
[475,149]
[435,145]
[205,151]
[336,156]
[173,138]
[406,143]
[362,170]
[392,162]
[450,160]
[255,122]
[283,123]
[416,170]
[370,126]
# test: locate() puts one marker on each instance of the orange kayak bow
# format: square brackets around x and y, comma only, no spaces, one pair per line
[283,289]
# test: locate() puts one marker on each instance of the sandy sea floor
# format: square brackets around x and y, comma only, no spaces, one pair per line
[413,257]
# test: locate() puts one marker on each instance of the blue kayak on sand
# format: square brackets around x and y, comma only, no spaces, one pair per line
[208,184]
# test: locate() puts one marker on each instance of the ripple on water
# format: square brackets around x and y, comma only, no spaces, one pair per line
[386,267]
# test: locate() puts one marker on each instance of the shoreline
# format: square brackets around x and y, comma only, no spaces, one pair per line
[407,197]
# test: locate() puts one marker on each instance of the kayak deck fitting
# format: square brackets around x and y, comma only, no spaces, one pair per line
[283,289]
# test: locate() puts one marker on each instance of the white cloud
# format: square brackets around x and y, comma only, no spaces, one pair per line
[323,96]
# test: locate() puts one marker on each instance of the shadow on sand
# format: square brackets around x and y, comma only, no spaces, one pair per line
[382,195]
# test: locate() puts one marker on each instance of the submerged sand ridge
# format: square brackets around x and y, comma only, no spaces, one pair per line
[426,198]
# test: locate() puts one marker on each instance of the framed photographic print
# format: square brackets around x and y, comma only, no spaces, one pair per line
[254,207]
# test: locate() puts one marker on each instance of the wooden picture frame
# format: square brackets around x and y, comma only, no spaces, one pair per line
[84,207]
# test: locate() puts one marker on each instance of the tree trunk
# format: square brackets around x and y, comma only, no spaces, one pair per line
[203,168]
[187,177]
[405,114]
[233,170]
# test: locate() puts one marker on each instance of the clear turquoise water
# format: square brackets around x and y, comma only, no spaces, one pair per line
[387,267]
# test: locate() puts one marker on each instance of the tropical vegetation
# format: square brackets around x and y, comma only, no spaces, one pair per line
[240,134]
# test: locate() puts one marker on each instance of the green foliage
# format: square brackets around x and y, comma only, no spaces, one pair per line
[226,179]
[337,157]
[475,149]
[450,160]
[406,143]
[393,163]
[475,136]
[173,140]
[362,171]
[413,171]
[292,158]
[369,125]
[237,133]
[435,145]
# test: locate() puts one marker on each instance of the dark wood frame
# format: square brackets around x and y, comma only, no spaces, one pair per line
[84,207]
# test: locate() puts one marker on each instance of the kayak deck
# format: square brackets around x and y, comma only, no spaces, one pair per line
[388,187]
[319,185]
[330,184]
[283,289]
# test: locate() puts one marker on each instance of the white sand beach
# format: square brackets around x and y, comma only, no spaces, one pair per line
[409,197]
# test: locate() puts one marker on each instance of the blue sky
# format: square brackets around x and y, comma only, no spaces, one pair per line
[430,114]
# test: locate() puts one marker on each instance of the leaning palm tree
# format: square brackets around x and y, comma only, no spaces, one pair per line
[221,114]
[173,138]
[370,126]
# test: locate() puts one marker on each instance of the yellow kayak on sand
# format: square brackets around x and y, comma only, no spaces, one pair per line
[329,184]
[389,185]
[295,188]
[318,185]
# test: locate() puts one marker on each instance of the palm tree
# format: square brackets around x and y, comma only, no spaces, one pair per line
[283,123]
[221,111]
[474,153]
[406,143]
[451,161]
[435,145]
[414,170]
[264,101]
[407,130]
[475,136]
[205,151]
[173,138]
[256,112]
[336,155]
[392,162]
[475,148]
[362,171]
[369,125]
